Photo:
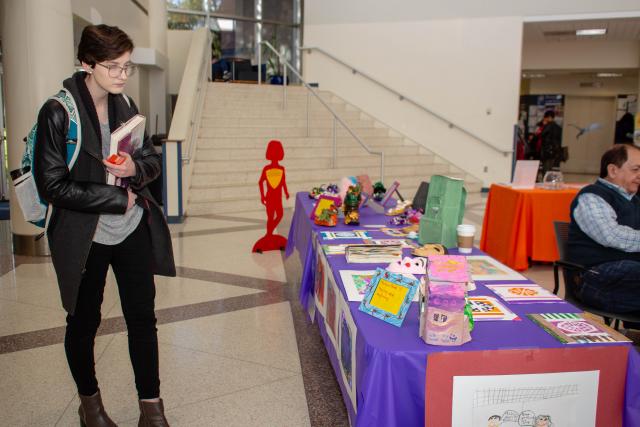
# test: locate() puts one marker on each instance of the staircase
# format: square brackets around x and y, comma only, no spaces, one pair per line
[239,120]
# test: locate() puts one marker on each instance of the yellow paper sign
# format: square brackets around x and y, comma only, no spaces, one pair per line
[274,176]
[388,296]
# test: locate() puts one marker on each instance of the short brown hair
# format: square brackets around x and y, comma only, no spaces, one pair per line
[102,43]
[616,155]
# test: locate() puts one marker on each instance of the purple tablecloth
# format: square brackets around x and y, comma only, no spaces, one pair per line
[391,361]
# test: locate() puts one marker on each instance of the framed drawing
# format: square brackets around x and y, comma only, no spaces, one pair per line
[389,296]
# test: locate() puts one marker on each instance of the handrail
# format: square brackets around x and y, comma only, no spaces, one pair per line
[402,97]
[186,116]
[336,118]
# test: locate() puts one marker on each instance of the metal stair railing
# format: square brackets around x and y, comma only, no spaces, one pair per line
[310,90]
[402,97]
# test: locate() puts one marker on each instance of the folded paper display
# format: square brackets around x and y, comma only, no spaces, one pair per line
[408,265]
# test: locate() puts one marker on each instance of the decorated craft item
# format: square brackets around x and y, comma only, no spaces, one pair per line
[329,190]
[393,189]
[378,191]
[316,192]
[448,268]
[444,211]
[327,217]
[401,207]
[399,220]
[489,308]
[365,183]
[408,265]
[574,328]
[273,178]
[389,296]
[442,314]
[430,249]
[345,183]
[351,205]
[324,202]
[409,228]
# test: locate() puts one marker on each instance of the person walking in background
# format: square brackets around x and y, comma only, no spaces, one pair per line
[94,225]
[550,143]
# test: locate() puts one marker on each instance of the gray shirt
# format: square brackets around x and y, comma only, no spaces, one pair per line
[114,228]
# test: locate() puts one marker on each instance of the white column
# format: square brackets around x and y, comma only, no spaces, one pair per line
[158,78]
[37,41]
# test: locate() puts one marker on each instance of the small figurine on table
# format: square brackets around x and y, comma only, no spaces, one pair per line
[351,205]
[378,191]
[274,177]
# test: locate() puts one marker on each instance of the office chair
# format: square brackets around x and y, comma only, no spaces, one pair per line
[571,275]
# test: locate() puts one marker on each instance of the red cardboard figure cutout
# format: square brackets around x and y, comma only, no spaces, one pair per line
[274,178]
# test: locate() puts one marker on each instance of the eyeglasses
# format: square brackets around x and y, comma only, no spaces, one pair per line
[116,70]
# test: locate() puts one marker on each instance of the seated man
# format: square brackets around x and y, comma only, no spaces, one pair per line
[604,234]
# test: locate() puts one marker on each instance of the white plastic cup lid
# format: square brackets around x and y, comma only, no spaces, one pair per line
[466,229]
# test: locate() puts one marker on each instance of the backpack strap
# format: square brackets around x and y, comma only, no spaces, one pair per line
[74,130]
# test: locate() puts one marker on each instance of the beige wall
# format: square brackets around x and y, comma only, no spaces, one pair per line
[581,54]
[178,42]
[570,85]
[467,70]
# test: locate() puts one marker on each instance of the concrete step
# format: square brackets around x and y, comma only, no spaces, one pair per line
[362,161]
[278,133]
[213,178]
[283,122]
[214,94]
[278,113]
[265,88]
[295,142]
[243,154]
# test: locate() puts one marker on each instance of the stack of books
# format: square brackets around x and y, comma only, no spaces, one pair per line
[373,254]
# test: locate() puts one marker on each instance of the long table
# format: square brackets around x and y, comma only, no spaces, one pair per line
[391,362]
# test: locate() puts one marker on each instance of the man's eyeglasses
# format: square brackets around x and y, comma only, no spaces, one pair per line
[116,70]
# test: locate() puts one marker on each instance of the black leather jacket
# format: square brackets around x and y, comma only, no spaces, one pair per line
[79,196]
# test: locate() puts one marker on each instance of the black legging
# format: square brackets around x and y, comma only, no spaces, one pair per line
[131,262]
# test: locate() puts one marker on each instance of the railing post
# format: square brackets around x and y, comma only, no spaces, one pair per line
[382,167]
[333,161]
[308,99]
[284,89]
[259,64]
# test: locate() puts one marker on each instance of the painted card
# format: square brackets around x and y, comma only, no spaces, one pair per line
[540,400]
[335,235]
[405,243]
[320,282]
[515,293]
[394,232]
[484,267]
[356,282]
[347,353]
[489,308]
[389,296]
[574,328]
[331,312]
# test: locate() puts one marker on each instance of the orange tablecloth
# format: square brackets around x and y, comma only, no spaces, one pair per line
[518,224]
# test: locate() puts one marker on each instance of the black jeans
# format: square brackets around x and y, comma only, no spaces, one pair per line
[132,265]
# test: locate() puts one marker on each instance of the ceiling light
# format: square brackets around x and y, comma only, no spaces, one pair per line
[609,75]
[591,32]
[226,24]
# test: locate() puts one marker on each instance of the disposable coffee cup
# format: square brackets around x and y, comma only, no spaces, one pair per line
[466,233]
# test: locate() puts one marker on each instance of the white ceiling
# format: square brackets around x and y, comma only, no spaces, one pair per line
[617,30]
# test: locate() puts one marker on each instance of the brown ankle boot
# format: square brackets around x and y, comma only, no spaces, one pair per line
[152,414]
[92,413]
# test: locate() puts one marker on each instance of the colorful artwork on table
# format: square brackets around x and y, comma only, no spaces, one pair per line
[347,353]
[448,268]
[336,235]
[574,328]
[405,243]
[484,267]
[330,317]
[324,202]
[320,282]
[389,296]
[489,308]
[453,399]
[523,293]
[272,185]
[356,282]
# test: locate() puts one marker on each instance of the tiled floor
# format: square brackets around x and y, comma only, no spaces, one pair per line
[235,347]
